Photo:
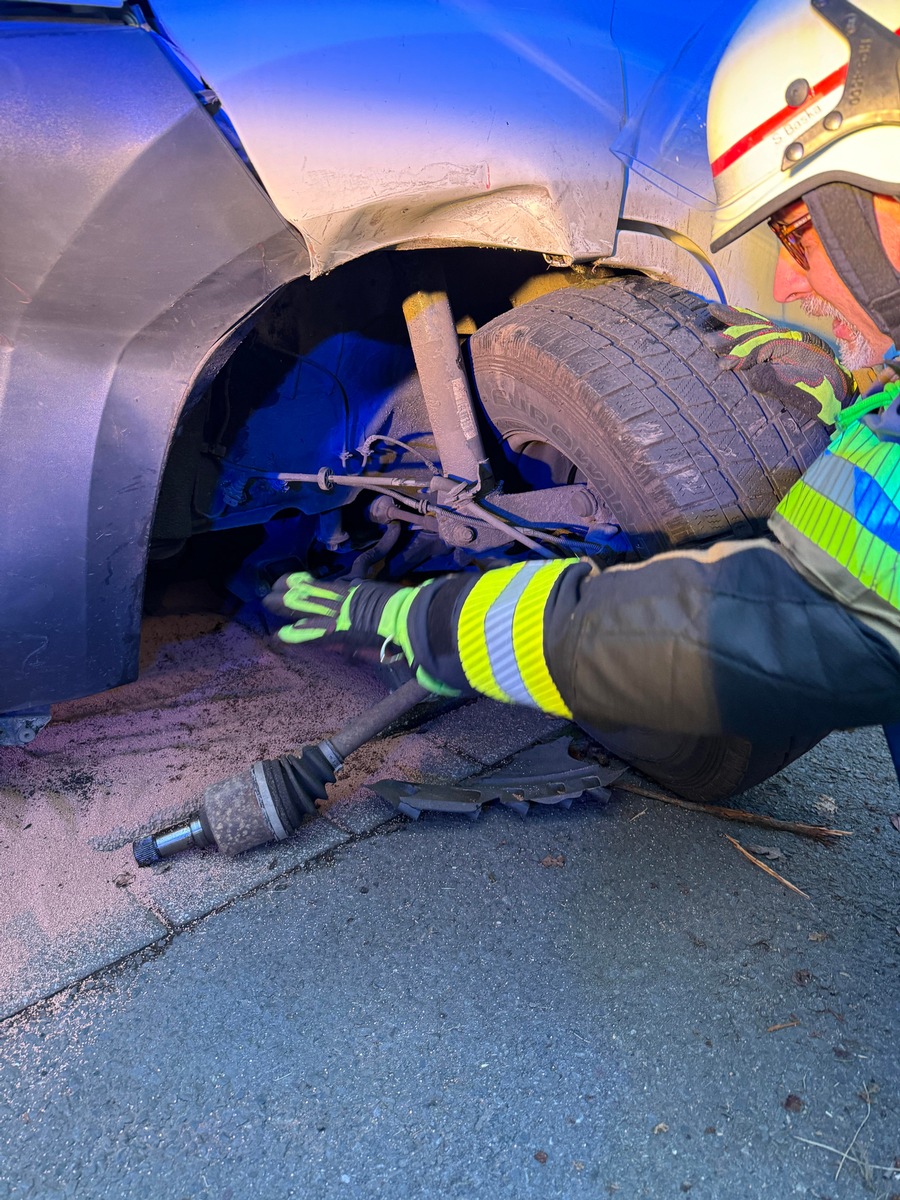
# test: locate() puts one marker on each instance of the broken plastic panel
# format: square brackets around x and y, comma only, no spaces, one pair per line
[546,774]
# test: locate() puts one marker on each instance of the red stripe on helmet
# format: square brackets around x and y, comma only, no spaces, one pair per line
[755,136]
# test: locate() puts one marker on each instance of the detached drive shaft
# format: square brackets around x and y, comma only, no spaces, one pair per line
[271,799]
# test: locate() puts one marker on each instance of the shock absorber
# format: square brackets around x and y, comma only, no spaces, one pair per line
[271,799]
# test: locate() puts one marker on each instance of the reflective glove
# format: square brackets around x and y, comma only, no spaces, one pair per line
[788,365]
[373,613]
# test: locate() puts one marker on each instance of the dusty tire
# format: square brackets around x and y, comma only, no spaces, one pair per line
[616,380]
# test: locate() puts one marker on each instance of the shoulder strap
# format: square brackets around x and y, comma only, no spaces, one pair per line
[844,215]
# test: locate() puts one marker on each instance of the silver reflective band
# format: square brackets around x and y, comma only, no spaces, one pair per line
[834,477]
[498,635]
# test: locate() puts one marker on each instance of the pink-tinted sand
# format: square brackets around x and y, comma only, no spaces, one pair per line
[211,698]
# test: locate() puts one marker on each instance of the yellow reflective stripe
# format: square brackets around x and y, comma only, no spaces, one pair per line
[470,639]
[528,639]
[859,445]
[737,331]
[751,343]
[822,507]
[823,393]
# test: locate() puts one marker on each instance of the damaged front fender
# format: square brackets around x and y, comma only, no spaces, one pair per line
[422,123]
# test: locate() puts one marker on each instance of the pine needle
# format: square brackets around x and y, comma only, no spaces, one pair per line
[844,1154]
[820,832]
[768,870]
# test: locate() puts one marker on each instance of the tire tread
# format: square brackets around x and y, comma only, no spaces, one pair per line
[629,356]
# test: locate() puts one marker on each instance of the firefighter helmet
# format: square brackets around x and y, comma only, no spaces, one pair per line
[807,93]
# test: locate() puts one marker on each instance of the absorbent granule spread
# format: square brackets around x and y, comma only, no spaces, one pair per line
[213,696]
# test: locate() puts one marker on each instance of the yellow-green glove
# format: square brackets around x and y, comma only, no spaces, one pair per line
[376,613]
[795,368]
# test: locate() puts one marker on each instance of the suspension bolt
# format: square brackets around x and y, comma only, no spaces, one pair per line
[458,534]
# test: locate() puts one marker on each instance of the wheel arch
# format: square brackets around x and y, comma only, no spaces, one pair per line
[137,243]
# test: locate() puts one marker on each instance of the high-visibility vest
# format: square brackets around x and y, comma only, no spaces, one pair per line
[848,502]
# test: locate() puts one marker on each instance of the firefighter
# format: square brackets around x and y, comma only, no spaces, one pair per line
[800,632]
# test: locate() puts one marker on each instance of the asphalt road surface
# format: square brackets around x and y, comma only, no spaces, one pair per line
[604,1001]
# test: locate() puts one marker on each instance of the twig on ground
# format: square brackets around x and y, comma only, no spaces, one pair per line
[856,1135]
[783,1025]
[820,832]
[843,1154]
[768,870]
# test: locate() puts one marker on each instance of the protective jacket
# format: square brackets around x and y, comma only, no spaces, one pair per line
[749,638]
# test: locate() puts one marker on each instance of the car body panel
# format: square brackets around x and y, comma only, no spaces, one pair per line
[421,122]
[425,123]
[134,243]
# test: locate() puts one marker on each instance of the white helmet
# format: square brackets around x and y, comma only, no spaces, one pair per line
[804,102]
[807,93]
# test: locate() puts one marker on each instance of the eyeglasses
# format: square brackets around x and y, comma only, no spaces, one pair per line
[790,234]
